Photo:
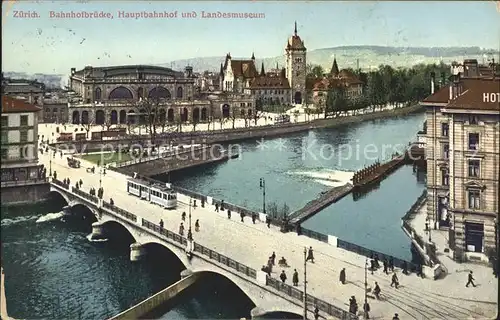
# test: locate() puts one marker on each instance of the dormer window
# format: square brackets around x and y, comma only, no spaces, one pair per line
[473,120]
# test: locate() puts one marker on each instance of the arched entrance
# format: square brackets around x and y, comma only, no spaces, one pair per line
[163,116]
[204,116]
[170,115]
[298,97]
[85,117]
[184,115]
[114,117]
[76,117]
[159,93]
[121,93]
[123,116]
[226,111]
[99,117]
[196,115]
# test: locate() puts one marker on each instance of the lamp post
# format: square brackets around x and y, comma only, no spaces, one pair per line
[50,163]
[190,233]
[429,228]
[305,283]
[366,306]
[263,187]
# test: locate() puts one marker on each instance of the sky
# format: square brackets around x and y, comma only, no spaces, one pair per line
[48,44]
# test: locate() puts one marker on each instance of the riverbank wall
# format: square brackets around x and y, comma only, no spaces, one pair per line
[20,194]
[232,135]
[157,300]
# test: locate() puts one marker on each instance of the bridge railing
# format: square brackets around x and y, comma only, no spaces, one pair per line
[313,234]
[311,301]
[85,195]
[60,183]
[121,212]
[164,232]
[214,255]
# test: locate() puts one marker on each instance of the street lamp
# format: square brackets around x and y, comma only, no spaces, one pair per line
[366,306]
[190,233]
[429,228]
[263,187]
[50,164]
[305,283]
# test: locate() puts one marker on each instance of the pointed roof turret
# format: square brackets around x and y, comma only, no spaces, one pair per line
[294,42]
[221,69]
[335,68]
[253,56]
[295,30]
[262,73]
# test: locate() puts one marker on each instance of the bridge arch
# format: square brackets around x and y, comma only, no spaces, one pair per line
[83,210]
[180,254]
[123,226]
[58,196]
[274,313]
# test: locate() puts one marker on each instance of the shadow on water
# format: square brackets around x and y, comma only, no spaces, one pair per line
[280,315]
[212,296]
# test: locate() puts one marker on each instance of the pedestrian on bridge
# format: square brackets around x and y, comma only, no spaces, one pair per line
[273,257]
[197,225]
[283,276]
[342,276]
[377,291]
[111,201]
[316,312]
[353,305]
[310,255]
[386,265]
[470,280]
[183,216]
[81,183]
[228,214]
[268,222]
[396,317]
[216,207]
[295,278]
[242,215]
[391,264]
[181,229]
[395,280]
[254,217]
[161,224]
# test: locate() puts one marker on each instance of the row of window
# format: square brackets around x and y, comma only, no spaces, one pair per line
[270,91]
[5,121]
[445,127]
[23,137]
[140,93]
[21,154]
[473,171]
[473,145]
[166,196]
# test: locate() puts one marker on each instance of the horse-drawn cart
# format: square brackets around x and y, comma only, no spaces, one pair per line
[73,163]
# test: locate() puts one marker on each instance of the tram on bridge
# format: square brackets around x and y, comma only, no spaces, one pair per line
[161,195]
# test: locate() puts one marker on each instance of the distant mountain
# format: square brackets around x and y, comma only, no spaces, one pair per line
[347,57]
[369,57]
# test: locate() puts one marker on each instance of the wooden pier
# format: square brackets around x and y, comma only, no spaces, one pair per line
[314,206]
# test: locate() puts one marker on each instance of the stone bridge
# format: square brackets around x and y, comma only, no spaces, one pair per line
[266,294]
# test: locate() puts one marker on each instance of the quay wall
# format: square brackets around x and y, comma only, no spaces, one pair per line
[157,300]
[232,135]
[24,194]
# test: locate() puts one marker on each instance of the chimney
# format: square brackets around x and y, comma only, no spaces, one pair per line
[433,81]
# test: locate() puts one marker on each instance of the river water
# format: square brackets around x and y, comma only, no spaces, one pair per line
[54,272]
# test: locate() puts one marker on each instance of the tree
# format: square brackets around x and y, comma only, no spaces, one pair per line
[335,101]
[107,123]
[317,71]
[148,110]
[90,122]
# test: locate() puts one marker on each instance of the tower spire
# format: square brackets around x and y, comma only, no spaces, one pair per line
[262,73]
[253,56]
[295,30]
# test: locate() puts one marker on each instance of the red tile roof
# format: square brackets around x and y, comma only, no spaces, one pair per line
[278,82]
[295,43]
[473,96]
[11,105]
[440,96]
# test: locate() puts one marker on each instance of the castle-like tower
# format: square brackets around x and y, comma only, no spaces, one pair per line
[295,53]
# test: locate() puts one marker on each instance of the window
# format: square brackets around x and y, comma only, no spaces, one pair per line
[5,153]
[472,120]
[445,129]
[473,141]
[5,121]
[24,120]
[474,198]
[474,168]
[24,136]
[5,136]
[445,177]
[446,151]
[22,153]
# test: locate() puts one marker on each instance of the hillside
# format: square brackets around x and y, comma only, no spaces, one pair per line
[369,57]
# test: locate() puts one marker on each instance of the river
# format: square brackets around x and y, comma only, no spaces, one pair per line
[54,272]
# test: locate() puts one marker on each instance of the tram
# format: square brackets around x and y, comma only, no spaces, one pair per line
[156,193]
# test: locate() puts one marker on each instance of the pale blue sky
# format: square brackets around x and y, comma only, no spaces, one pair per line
[51,45]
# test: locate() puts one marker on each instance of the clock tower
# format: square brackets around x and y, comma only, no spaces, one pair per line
[295,53]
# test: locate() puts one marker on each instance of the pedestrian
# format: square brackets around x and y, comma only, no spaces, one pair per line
[197,225]
[395,280]
[377,265]
[470,280]
[268,222]
[353,305]
[222,205]
[273,257]
[342,276]
[254,217]
[405,268]
[181,229]
[183,216]
[81,182]
[366,309]
[216,207]
[161,223]
[316,312]
[376,291]
[310,255]
[385,266]
[283,276]
[295,278]
[111,201]
[372,265]
[228,213]
[242,215]
[396,317]
[391,264]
